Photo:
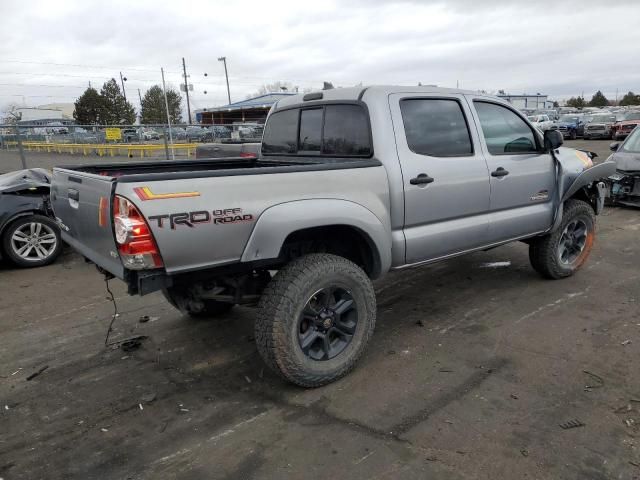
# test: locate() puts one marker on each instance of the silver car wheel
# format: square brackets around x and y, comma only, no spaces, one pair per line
[34,241]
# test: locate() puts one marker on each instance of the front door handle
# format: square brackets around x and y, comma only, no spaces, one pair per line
[499,172]
[421,179]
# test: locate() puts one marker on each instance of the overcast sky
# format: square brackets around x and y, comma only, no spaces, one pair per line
[50,50]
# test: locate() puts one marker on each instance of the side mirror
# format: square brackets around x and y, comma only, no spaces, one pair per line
[552,139]
[614,146]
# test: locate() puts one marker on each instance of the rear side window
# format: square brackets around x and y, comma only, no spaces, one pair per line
[346,131]
[333,130]
[504,131]
[281,133]
[436,127]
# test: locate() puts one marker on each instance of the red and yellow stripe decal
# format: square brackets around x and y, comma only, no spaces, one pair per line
[145,194]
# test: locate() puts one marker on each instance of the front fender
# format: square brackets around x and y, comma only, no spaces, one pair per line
[278,222]
[590,175]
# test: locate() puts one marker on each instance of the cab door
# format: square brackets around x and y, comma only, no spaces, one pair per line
[445,176]
[522,175]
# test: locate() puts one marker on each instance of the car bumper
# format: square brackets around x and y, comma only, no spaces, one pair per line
[598,134]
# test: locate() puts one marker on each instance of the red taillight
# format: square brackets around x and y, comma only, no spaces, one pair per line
[136,245]
[248,155]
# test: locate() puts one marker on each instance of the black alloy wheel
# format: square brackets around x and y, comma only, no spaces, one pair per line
[327,323]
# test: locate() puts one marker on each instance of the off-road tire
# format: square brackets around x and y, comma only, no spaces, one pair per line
[211,308]
[280,307]
[14,258]
[543,251]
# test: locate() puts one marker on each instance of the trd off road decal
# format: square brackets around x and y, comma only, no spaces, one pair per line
[199,217]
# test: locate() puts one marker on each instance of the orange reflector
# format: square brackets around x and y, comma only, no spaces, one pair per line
[145,193]
[103,212]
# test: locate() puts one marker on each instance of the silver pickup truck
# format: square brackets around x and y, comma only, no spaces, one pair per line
[350,183]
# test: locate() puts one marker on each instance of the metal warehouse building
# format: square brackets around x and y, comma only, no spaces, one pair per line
[253,110]
[528,101]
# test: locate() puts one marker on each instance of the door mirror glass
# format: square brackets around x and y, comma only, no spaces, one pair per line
[614,146]
[552,139]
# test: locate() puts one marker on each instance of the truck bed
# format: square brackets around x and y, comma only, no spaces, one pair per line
[184,169]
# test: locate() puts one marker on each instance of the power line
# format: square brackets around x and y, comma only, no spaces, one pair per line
[40,85]
[83,66]
[34,74]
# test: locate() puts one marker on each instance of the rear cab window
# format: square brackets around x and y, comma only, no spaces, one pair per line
[333,130]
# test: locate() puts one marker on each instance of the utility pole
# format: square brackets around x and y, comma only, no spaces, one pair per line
[122,80]
[166,104]
[226,74]
[616,96]
[140,97]
[186,88]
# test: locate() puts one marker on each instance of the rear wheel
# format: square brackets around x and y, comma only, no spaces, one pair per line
[561,253]
[315,319]
[195,307]
[32,241]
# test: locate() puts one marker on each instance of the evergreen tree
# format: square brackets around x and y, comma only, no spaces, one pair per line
[576,102]
[630,99]
[598,100]
[154,110]
[117,110]
[88,108]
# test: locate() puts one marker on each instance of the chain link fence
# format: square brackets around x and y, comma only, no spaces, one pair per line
[44,146]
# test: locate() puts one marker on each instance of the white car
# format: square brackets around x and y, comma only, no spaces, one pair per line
[542,122]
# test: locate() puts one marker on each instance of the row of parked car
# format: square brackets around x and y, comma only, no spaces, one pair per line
[602,124]
[191,134]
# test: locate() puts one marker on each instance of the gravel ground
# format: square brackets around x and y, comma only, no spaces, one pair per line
[475,364]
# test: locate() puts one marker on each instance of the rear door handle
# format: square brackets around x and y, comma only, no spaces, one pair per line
[499,172]
[421,179]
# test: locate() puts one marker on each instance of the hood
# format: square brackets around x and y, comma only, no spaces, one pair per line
[629,122]
[599,124]
[565,124]
[24,180]
[627,161]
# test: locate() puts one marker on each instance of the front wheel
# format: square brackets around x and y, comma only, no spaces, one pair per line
[315,319]
[561,253]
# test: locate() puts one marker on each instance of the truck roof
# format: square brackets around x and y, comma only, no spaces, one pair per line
[356,93]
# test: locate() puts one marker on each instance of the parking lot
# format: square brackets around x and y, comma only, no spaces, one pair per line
[476,366]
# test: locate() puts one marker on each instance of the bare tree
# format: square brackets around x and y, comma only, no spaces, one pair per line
[11,114]
[275,87]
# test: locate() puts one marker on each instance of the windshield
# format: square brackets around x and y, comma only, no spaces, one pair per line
[632,144]
[533,119]
[569,118]
[632,116]
[603,118]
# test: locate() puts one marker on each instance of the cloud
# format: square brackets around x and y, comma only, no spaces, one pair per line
[559,48]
